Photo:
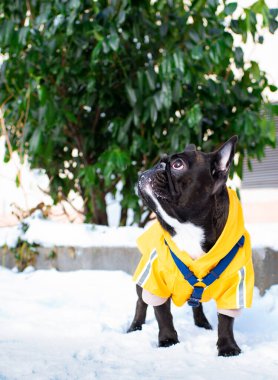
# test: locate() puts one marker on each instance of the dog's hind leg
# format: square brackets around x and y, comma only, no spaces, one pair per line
[140,312]
[167,333]
[200,319]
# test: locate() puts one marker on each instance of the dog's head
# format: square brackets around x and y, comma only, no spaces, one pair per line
[181,185]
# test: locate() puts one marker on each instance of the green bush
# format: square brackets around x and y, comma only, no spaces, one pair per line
[96,91]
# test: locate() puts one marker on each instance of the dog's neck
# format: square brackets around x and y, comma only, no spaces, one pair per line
[199,233]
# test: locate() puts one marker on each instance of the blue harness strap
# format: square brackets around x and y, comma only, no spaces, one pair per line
[212,276]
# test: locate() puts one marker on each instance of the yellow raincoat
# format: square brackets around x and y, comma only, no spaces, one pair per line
[158,273]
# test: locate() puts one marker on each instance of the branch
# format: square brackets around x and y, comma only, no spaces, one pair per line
[144,221]
[64,198]
[96,119]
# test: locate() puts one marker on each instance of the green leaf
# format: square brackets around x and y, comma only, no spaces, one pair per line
[273,25]
[136,116]
[197,53]
[158,101]
[114,42]
[131,94]
[272,88]
[50,113]
[95,53]
[17,180]
[194,36]
[166,68]
[8,31]
[197,5]
[239,57]
[166,94]
[239,167]
[105,46]
[35,141]
[255,70]
[230,8]
[178,60]
[42,91]
[23,34]
[98,36]
[74,4]
[71,117]
[177,91]
[153,112]
[121,17]
[174,142]
[140,82]
[88,175]
[7,156]
[258,6]
[91,85]
[194,117]
[150,75]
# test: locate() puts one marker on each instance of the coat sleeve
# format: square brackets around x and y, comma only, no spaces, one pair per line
[149,273]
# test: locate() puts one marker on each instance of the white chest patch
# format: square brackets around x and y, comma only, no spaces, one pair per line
[188,236]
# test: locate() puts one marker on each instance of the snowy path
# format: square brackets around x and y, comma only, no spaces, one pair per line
[56,326]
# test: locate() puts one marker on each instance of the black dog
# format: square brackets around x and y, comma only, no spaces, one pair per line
[187,192]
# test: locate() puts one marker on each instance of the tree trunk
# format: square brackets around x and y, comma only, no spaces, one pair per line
[123,219]
[99,214]
[94,206]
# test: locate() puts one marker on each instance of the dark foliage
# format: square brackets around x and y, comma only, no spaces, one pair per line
[96,91]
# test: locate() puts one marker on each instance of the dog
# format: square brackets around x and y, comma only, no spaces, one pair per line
[198,249]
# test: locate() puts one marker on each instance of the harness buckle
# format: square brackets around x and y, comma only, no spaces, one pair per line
[193,302]
[196,296]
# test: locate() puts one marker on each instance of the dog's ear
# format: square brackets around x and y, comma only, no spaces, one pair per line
[190,148]
[221,162]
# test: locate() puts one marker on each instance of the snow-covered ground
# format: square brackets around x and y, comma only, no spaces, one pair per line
[49,233]
[72,325]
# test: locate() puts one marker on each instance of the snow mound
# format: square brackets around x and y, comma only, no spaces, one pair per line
[49,233]
[72,326]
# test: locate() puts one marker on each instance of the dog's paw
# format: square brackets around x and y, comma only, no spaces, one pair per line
[167,342]
[134,327]
[228,349]
[204,324]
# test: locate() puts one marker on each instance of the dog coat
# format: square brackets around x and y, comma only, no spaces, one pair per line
[158,273]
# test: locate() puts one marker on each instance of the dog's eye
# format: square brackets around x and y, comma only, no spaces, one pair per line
[178,164]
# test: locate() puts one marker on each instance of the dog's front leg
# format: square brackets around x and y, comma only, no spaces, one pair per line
[167,334]
[226,343]
[140,312]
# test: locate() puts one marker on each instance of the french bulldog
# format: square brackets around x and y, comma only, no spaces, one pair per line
[187,191]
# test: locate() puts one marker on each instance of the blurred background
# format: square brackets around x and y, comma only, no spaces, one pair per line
[93,92]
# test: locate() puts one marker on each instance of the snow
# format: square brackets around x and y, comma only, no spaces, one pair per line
[49,233]
[264,235]
[28,194]
[72,325]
